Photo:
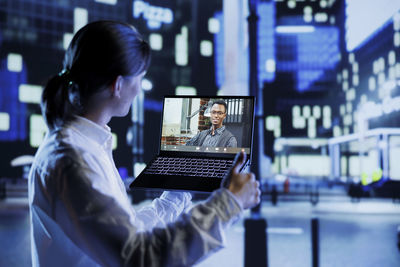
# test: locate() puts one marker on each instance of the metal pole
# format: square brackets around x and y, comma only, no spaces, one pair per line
[255,251]
[255,244]
[254,90]
[398,237]
[315,241]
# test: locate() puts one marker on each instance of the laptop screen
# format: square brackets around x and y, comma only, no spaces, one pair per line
[207,124]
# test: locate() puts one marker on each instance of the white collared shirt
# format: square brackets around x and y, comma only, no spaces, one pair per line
[81,214]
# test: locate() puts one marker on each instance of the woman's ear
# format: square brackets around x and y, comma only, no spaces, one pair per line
[116,86]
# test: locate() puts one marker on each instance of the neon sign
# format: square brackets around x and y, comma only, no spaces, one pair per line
[154,15]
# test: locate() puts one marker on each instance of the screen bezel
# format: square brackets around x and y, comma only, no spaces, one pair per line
[206,154]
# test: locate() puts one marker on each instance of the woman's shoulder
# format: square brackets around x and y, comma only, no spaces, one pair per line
[58,152]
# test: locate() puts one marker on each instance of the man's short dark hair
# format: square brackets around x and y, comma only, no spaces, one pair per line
[220,102]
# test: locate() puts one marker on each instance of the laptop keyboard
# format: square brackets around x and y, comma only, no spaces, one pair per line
[189,166]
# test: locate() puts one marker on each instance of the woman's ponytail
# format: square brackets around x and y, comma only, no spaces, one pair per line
[60,100]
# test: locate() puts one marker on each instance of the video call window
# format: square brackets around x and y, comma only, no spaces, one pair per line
[206,125]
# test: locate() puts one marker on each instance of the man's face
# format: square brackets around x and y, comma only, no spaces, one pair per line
[218,114]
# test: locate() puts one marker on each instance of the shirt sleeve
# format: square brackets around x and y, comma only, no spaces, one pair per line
[105,231]
[164,209]
[232,142]
[193,141]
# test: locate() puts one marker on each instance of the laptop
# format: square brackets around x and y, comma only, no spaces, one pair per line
[200,137]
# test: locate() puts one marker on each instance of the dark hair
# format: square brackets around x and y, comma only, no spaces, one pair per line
[220,102]
[98,53]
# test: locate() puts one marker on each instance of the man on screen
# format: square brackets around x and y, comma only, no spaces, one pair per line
[217,135]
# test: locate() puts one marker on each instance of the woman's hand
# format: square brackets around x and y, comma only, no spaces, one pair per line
[243,185]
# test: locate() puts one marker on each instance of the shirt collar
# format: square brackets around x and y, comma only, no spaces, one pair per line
[92,130]
[220,130]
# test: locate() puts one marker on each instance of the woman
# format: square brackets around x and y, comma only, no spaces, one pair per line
[80,212]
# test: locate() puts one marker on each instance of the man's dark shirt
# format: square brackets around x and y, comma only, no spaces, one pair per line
[221,138]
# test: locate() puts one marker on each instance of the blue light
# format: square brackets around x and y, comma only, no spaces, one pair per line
[154,15]
[316,52]
[153,105]
[266,39]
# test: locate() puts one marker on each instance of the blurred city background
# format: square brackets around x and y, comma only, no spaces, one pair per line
[329,89]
